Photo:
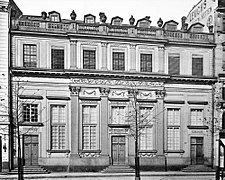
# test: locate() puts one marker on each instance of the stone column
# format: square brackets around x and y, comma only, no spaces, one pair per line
[104,121]
[161,60]
[133,57]
[74,91]
[73,54]
[104,55]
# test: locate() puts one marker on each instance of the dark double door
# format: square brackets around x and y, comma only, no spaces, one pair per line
[197,153]
[118,150]
[30,143]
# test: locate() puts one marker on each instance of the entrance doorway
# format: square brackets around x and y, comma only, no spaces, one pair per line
[197,154]
[30,150]
[118,150]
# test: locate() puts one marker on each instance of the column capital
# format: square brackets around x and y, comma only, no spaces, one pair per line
[104,91]
[73,42]
[104,44]
[160,93]
[132,46]
[161,48]
[74,90]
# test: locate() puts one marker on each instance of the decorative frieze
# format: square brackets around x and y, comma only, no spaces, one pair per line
[147,154]
[117,82]
[89,154]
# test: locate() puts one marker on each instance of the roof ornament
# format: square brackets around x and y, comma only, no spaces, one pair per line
[73,15]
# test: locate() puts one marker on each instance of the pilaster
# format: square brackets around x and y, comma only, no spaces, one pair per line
[73,54]
[133,57]
[74,92]
[161,56]
[104,55]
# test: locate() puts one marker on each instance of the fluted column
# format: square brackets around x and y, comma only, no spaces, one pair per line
[133,57]
[104,55]
[104,121]
[74,91]
[73,54]
[161,59]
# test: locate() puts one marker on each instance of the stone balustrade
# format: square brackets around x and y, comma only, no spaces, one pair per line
[111,30]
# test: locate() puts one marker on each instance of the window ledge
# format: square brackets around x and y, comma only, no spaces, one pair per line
[31,124]
[147,151]
[119,125]
[90,151]
[174,151]
[58,151]
[197,127]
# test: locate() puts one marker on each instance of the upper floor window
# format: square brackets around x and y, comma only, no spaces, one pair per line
[196,117]
[29,55]
[118,61]
[57,58]
[89,20]
[174,64]
[30,113]
[55,17]
[89,59]
[197,65]
[146,63]
[58,127]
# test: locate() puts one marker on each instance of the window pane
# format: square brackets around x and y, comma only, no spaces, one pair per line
[57,58]
[146,63]
[197,117]
[197,65]
[146,138]
[174,64]
[29,55]
[118,115]
[89,61]
[30,112]
[118,61]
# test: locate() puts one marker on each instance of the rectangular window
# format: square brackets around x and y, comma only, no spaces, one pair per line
[89,127]
[30,113]
[58,127]
[146,136]
[29,55]
[57,58]
[197,65]
[146,63]
[196,117]
[173,129]
[118,61]
[118,115]
[89,60]
[174,64]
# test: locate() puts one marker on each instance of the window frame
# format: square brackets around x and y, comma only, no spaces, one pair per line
[89,60]
[30,55]
[30,113]
[53,48]
[151,59]
[176,55]
[96,104]
[119,61]
[57,124]
[195,71]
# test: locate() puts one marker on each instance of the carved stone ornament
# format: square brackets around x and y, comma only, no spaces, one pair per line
[160,93]
[3,8]
[104,91]
[75,90]
[116,82]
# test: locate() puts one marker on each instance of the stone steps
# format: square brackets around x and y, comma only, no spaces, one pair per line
[198,168]
[31,170]
[118,169]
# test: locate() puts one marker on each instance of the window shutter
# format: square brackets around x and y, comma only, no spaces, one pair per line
[174,64]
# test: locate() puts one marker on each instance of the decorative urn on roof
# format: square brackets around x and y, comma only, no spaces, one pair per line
[103,17]
[160,22]
[73,15]
[131,20]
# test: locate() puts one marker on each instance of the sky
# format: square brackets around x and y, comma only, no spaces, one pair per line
[166,9]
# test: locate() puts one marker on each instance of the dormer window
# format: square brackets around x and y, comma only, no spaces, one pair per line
[170,25]
[89,18]
[144,22]
[196,27]
[117,21]
[54,16]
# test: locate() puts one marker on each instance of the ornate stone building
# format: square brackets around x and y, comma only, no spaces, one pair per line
[75,79]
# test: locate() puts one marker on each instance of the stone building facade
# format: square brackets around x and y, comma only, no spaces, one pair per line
[76,77]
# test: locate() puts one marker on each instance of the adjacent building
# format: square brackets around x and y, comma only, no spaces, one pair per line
[72,81]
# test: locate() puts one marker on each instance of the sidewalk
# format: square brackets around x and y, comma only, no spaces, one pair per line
[64,175]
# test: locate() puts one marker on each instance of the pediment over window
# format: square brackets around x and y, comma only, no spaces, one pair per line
[89,18]
[54,16]
[144,22]
[117,21]
[196,27]
[170,25]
